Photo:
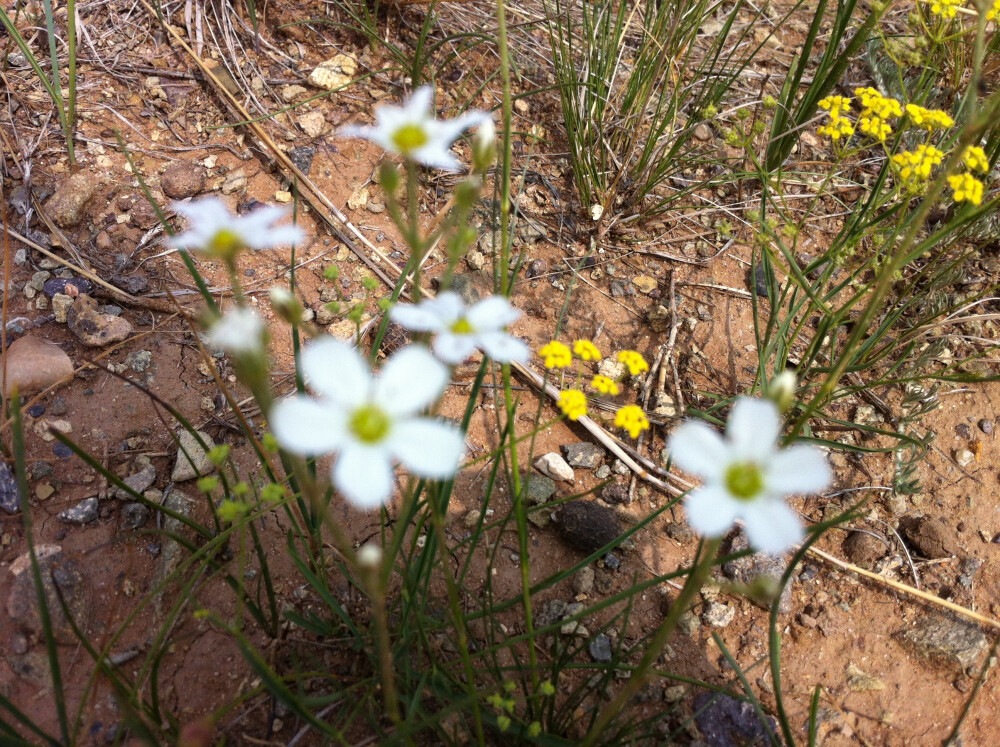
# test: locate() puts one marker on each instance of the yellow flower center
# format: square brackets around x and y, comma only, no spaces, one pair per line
[409,137]
[461,327]
[225,243]
[744,480]
[369,424]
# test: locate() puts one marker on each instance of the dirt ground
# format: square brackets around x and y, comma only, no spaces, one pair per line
[135,81]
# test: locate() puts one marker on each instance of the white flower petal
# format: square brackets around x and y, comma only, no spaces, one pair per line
[753,429]
[447,306]
[336,370]
[798,470]
[418,106]
[503,348]
[364,475]
[416,318]
[238,331]
[410,380]
[307,426]
[771,525]
[710,510]
[428,448]
[696,448]
[453,349]
[492,313]
[436,155]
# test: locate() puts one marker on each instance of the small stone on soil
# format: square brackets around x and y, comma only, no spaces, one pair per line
[10,496]
[747,569]
[583,581]
[600,648]
[986,426]
[82,513]
[615,493]
[66,206]
[196,462]
[34,364]
[945,640]
[93,328]
[859,681]
[183,179]
[929,537]
[584,455]
[554,466]
[864,550]
[588,526]
[135,515]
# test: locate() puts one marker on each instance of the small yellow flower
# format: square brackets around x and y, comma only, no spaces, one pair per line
[975,157]
[994,12]
[634,361]
[946,8]
[915,166]
[967,188]
[837,128]
[929,119]
[573,403]
[632,419]
[835,105]
[604,385]
[586,350]
[873,102]
[555,355]
[875,127]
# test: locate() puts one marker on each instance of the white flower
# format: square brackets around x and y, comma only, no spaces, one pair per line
[461,330]
[216,232]
[239,332]
[746,476]
[370,421]
[412,132]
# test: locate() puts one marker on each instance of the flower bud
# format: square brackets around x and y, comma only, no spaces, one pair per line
[783,388]
[484,146]
[286,305]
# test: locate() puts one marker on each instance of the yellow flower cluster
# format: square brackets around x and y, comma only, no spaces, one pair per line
[586,350]
[975,158]
[946,8]
[837,126]
[994,12]
[929,119]
[555,355]
[634,361]
[915,166]
[573,403]
[874,103]
[966,188]
[876,110]
[632,419]
[604,385]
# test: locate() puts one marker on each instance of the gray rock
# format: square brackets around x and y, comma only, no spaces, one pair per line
[195,462]
[10,495]
[679,532]
[171,551]
[66,206]
[747,569]
[140,481]
[61,304]
[135,515]
[538,488]
[968,570]
[944,640]
[550,613]
[603,472]
[554,466]
[584,455]
[83,512]
[140,360]
[583,581]
[61,577]
[718,615]
[725,721]
[600,649]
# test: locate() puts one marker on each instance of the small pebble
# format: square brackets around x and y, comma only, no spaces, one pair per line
[986,426]
[963,431]
[612,562]
[36,411]
[62,451]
